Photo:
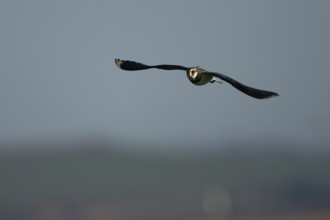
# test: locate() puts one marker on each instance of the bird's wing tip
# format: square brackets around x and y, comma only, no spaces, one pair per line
[272,96]
[275,94]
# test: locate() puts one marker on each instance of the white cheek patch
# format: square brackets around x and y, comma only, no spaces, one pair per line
[193,74]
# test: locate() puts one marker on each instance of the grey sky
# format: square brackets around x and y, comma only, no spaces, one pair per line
[58,78]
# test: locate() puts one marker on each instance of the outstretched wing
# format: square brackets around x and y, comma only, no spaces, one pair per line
[256,93]
[133,66]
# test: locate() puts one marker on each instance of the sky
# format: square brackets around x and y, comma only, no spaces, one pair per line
[58,78]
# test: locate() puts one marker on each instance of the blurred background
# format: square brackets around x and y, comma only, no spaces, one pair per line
[82,139]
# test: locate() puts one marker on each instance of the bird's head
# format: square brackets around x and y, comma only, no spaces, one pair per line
[193,73]
[196,76]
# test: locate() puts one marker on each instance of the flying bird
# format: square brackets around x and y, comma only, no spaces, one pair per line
[198,76]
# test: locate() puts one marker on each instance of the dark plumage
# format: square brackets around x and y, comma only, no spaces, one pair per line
[133,66]
[198,76]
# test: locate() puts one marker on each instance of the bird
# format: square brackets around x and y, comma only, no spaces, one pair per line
[198,77]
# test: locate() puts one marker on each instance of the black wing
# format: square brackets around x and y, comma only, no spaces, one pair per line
[256,93]
[132,66]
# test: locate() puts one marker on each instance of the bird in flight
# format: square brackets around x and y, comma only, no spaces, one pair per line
[198,76]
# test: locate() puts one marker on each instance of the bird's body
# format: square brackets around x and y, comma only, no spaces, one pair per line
[198,76]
